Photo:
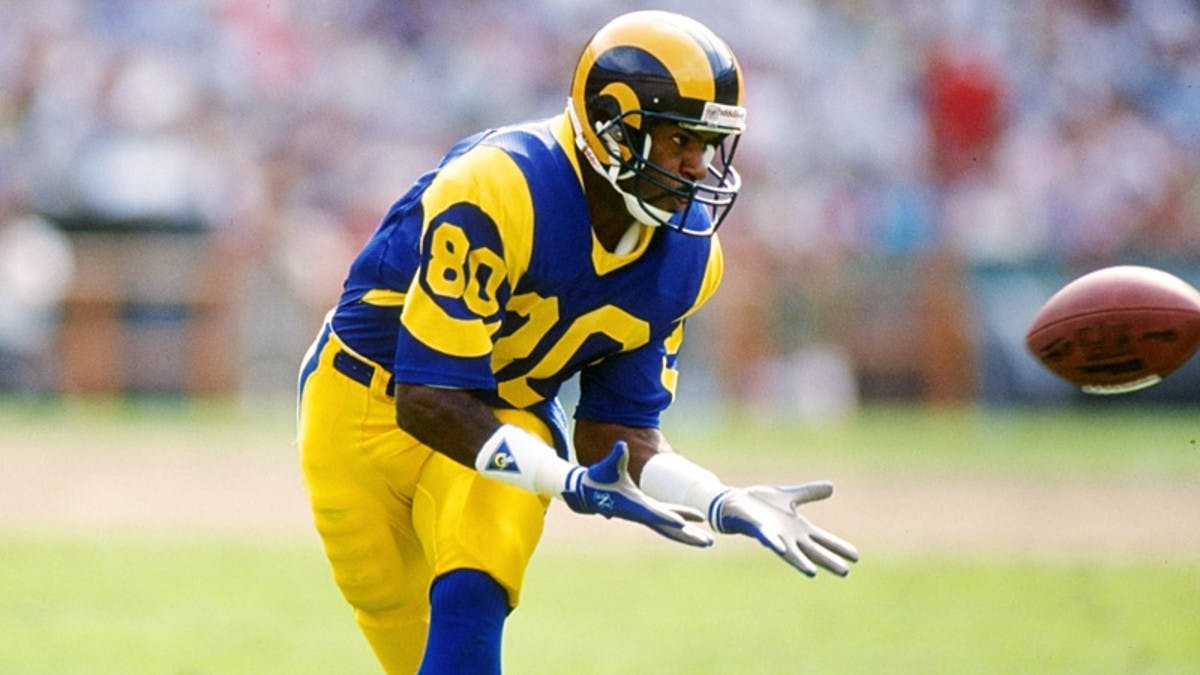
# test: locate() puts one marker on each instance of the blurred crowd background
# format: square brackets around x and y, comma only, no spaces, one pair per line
[183,183]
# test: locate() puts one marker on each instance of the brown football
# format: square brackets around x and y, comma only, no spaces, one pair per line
[1117,329]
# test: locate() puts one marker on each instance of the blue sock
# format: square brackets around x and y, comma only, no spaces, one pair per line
[465,626]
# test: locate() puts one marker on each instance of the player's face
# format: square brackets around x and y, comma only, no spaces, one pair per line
[677,151]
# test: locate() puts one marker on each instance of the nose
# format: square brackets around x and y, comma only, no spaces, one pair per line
[694,164]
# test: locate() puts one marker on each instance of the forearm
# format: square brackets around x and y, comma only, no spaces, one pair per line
[594,440]
[451,421]
[456,424]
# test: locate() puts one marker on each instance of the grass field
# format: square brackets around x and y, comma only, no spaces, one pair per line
[115,595]
[240,606]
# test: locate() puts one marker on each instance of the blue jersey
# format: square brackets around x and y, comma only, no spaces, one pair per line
[487,276]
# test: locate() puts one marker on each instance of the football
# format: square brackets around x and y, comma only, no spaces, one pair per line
[1118,329]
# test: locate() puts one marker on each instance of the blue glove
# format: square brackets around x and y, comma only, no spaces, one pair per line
[769,515]
[606,488]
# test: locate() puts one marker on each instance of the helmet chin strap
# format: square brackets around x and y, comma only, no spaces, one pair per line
[629,240]
[640,210]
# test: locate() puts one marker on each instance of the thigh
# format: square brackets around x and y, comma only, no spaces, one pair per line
[467,521]
[363,515]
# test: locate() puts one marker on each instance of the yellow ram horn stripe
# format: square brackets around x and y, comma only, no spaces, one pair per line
[686,60]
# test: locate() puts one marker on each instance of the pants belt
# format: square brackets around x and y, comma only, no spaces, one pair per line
[358,370]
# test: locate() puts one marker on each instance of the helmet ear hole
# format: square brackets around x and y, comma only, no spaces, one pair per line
[605,109]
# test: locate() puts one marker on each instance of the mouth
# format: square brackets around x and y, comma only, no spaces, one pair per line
[665,196]
[668,201]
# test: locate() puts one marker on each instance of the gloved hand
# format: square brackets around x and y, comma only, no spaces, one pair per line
[769,515]
[606,488]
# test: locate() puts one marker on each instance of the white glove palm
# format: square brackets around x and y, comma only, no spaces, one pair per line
[769,515]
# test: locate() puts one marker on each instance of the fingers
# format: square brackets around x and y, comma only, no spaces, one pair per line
[687,513]
[610,469]
[780,528]
[669,520]
[695,536]
[827,551]
[797,559]
[807,554]
[671,523]
[621,450]
[810,547]
[824,558]
[836,544]
[808,492]
[687,534]
[788,497]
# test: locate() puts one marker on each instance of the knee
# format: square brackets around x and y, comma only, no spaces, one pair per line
[368,586]
[371,573]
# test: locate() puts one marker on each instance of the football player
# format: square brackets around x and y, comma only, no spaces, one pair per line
[431,437]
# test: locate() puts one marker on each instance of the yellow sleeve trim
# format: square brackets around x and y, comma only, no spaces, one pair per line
[670,376]
[564,133]
[467,338]
[383,297]
[712,276]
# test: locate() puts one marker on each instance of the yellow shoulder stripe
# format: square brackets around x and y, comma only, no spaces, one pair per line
[564,133]
[488,178]
[669,376]
[383,297]
[712,276]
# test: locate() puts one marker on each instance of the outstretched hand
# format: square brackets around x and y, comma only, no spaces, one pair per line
[769,515]
[607,489]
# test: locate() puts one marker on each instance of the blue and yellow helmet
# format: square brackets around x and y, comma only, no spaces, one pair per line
[652,66]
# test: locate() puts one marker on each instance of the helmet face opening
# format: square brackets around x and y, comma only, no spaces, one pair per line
[716,192]
[652,67]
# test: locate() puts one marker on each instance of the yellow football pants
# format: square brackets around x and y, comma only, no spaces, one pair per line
[393,514]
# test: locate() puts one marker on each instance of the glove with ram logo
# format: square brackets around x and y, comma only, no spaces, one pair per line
[516,457]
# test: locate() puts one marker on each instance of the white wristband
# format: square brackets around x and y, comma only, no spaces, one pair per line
[518,458]
[673,478]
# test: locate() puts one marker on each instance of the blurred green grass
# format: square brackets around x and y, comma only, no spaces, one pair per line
[121,605]
[747,613]
[127,605]
[179,602]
